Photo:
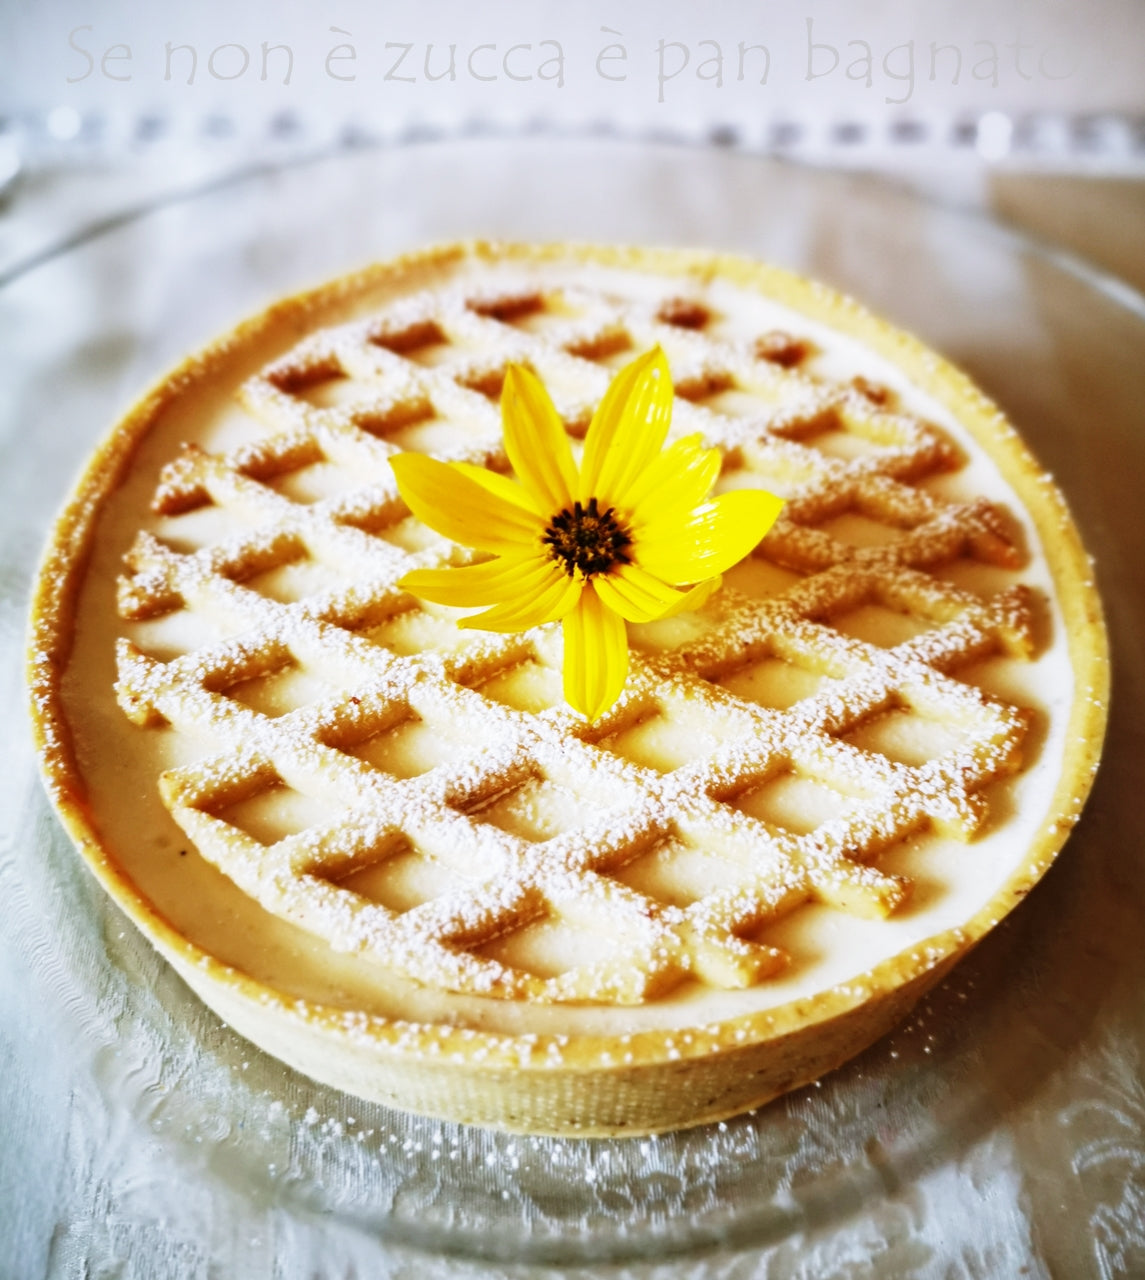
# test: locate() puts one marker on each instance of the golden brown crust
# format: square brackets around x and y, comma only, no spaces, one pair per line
[484,1078]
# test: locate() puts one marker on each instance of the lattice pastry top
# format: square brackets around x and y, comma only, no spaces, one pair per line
[419,800]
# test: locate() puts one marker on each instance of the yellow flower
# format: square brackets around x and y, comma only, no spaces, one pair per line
[614,542]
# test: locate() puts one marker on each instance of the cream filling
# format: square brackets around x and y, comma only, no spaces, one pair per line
[120,762]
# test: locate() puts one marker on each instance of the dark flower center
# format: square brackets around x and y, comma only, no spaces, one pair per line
[587,539]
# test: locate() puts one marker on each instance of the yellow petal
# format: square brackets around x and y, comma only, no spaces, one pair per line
[472,584]
[596,656]
[627,429]
[504,487]
[535,440]
[636,594]
[677,479]
[458,507]
[542,593]
[696,598]
[716,536]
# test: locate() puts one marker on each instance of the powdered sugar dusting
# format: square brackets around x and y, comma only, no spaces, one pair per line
[426,373]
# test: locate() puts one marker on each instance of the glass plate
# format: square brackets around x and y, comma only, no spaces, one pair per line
[1006,1115]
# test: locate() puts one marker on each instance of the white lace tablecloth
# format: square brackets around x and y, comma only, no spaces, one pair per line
[1001,1133]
